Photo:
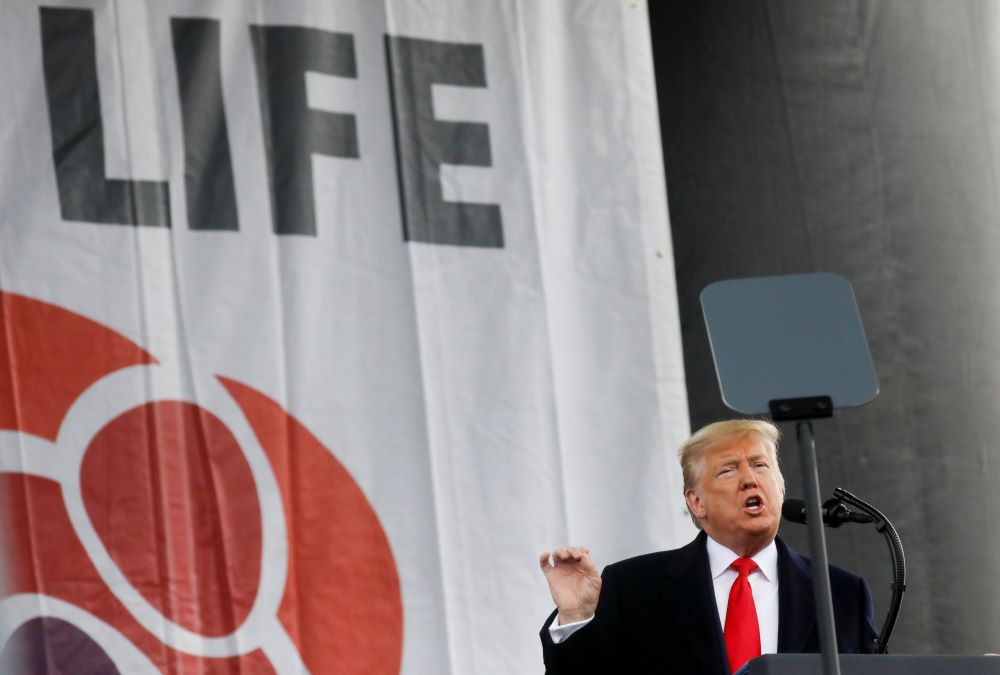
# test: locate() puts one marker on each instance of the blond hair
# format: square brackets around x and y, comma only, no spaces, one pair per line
[717,434]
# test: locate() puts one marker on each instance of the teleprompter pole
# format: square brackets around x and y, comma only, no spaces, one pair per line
[817,549]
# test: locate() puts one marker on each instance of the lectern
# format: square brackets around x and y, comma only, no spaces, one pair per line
[872,664]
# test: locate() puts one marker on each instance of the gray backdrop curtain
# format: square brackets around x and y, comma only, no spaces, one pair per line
[861,138]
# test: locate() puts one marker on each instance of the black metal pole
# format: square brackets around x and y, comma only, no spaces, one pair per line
[817,549]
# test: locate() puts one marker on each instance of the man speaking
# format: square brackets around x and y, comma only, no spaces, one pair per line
[734,593]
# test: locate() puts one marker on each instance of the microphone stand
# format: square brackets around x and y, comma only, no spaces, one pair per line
[883,525]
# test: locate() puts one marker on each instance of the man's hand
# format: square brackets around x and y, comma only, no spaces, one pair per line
[574,582]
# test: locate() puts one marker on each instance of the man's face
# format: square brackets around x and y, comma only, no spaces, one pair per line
[738,496]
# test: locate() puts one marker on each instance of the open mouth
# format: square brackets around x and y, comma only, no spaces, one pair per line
[753,505]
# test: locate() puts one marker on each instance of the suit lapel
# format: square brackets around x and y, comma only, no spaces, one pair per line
[689,597]
[796,605]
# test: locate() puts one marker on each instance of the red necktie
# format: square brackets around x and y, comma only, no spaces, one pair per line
[742,631]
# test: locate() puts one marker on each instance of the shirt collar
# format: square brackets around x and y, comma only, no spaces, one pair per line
[720,558]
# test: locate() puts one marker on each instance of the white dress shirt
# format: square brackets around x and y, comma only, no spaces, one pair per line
[763,585]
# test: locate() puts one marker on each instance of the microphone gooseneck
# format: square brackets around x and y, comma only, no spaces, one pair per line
[835,514]
[883,525]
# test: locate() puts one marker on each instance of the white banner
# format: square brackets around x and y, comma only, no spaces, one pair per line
[322,320]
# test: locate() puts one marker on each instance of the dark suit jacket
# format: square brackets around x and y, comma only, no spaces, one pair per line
[657,614]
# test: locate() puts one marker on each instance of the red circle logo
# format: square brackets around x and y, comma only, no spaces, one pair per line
[146,529]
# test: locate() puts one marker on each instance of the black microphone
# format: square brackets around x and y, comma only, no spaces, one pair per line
[835,513]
